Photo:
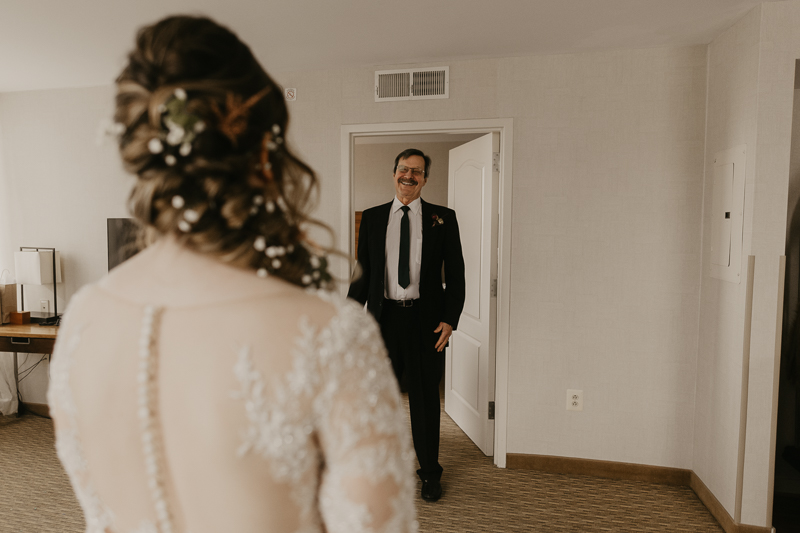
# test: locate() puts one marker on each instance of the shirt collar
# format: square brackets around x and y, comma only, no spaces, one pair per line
[415,206]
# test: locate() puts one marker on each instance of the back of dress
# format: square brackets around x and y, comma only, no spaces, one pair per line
[193,396]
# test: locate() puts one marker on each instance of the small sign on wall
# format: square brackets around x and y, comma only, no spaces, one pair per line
[727,214]
[290,94]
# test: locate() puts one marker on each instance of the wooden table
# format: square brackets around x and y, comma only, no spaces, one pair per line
[30,338]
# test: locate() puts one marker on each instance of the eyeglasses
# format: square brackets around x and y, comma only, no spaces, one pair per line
[416,172]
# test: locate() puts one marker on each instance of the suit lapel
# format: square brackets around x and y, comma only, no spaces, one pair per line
[427,240]
[379,236]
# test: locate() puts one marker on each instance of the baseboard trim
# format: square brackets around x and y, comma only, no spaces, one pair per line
[39,409]
[633,472]
[713,505]
[605,469]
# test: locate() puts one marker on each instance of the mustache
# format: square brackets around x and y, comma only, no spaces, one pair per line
[408,180]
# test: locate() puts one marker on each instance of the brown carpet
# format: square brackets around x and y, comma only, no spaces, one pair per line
[479,497]
[35,495]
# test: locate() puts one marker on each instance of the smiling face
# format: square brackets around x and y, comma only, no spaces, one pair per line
[409,184]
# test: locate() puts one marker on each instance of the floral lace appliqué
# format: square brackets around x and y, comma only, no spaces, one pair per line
[341,390]
[279,429]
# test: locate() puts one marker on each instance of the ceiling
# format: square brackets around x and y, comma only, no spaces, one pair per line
[76,43]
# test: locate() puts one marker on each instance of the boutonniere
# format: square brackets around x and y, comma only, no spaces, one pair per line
[437,220]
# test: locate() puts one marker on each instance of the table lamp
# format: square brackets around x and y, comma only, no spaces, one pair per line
[39,266]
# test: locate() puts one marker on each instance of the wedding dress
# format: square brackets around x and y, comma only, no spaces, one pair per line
[191,396]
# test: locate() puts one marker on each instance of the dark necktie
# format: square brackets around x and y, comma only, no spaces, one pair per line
[405,243]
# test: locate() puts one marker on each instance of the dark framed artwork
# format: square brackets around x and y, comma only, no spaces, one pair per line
[122,240]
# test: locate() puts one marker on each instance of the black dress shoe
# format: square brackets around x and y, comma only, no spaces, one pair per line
[431,490]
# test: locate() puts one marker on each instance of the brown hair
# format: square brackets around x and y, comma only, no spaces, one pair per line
[230,186]
[408,152]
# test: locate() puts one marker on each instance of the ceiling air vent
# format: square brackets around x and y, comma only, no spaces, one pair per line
[392,85]
[412,84]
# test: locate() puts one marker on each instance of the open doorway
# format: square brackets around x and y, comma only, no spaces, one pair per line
[373,156]
[368,152]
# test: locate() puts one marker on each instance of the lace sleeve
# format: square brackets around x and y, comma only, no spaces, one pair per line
[64,413]
[367,482]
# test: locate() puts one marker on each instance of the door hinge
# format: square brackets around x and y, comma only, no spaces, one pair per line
[495,161]
[494,288]
[491,410]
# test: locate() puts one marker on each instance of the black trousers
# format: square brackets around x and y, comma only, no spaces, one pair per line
[413,353]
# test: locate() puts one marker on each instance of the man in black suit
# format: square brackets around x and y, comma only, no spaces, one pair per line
[404,247]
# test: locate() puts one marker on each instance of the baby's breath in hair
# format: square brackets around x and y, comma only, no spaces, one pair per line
[205,136]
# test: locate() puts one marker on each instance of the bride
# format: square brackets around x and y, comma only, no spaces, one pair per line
[205,385]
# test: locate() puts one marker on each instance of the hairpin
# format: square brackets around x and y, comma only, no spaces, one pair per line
[233,122]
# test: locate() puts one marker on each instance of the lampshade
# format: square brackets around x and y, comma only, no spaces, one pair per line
[36,268]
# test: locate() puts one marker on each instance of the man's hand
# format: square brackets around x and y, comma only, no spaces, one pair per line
[447,331]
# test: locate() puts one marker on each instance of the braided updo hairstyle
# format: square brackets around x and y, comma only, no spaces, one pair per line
[202,125]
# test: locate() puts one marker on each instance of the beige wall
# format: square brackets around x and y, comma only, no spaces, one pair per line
[780,48]
[751,97]
[6,250]
[605,253]
[62,184]
[732,111]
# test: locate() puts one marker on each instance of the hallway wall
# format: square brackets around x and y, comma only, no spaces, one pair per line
[731,121]
[751,95]
[780,48]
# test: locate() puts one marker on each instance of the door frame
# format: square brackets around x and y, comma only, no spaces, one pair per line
[504,126]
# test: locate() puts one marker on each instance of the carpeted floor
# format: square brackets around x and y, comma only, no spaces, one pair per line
[35,495]
[479,497]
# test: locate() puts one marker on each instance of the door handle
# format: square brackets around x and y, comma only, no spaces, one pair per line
[20,340]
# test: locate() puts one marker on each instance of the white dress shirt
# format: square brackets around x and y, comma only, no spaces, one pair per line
[393,290]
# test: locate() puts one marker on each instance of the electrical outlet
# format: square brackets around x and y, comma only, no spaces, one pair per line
[44,306]
[574,400]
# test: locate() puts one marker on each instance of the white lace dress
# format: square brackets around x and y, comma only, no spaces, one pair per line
[188,402]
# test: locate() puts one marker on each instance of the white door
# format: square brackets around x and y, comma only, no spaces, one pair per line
[470,358]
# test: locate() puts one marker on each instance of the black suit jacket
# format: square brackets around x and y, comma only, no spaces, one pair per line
[441,247]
